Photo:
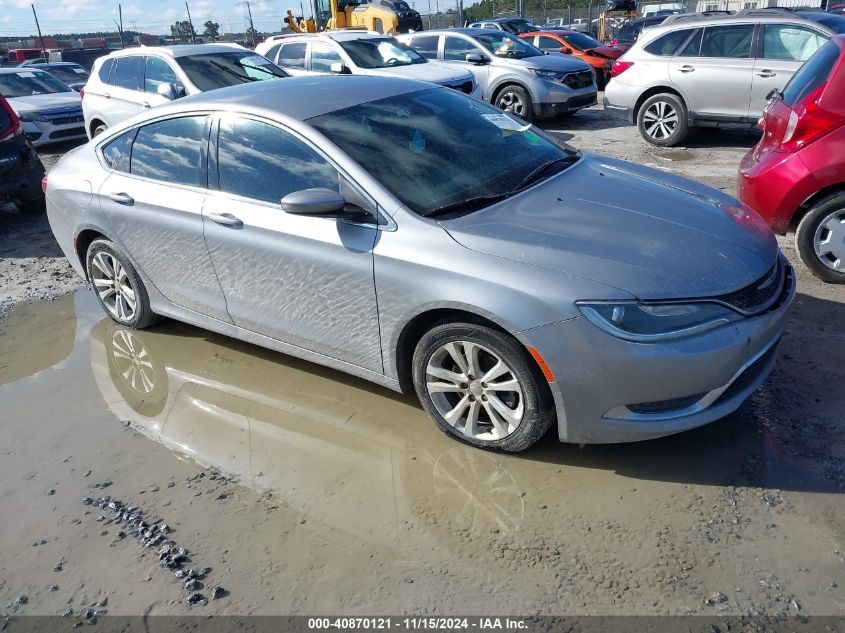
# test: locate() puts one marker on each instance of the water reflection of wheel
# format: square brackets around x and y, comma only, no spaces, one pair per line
[139,379]
[477,491]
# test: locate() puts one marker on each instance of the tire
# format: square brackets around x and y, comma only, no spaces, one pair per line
[100,264]
[516,100]
[820,239]
[529,402]
[98,129]
[36,206]
[662,120]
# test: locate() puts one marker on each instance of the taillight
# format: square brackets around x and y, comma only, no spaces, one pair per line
[44,183]
[619,67]
[81,93]
[808,122]
[14,126]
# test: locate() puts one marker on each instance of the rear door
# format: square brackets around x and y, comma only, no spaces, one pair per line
[125,94]
[292,57]
[782,50]
[153,199]
[455,50]
[713,72]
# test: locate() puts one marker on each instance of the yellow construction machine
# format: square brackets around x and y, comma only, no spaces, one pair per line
[382,16]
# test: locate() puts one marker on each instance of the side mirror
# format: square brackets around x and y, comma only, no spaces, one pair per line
[339,68]
[168,91]
[317,202]
[476,58]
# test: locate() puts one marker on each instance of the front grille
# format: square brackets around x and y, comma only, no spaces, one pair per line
[61,116]
[72,131]
[465,87]
[581,79]
[746,378]
[68,119]
[763,293]
[662,406]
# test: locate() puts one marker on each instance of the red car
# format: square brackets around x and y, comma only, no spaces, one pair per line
[584,47]
[795,176]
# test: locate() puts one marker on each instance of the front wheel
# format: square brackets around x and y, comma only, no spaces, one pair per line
[516,100]
[820,239]
[481,387]
[662,120]
[119,288]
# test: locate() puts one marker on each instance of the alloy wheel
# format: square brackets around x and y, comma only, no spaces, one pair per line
[511,102]
[132,362]
[475,390]
[660,120]
[829,241]
[113,286]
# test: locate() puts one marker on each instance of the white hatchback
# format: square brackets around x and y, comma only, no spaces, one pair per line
[129,81]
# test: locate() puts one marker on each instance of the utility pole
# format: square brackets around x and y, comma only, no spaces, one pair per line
[40,37]
[193,32]
[460,12]
[251,25]
[120,16]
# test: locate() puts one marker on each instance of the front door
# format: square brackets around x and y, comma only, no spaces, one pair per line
[455,51]
[306,281]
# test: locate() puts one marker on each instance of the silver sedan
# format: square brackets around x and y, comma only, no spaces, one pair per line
[417,238]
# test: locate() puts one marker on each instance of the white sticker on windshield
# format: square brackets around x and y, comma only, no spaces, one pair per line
[256,59]
[504,122]
[80,71]
[27,75]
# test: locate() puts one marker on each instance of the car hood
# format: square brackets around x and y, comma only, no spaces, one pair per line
[39,103]
[430,71]
[610,52]
[647,232]
[559,63]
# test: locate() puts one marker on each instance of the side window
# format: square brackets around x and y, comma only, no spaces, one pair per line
[116,152]
[549,44]
[668,44]
[257,160]
[128,73]
[693,47]
[788,42]
[271,54]
[323,55]
[159,72]
[732,42]
[292,55]
[426,45]
[169,150]
[457,49]
[105,70]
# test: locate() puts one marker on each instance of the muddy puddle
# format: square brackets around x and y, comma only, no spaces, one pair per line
[310,491]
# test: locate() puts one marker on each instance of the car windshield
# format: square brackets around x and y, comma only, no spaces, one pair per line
[437,149]
[25,83]
[503,44]
[219,70]
[381,53]
[518,26]
[581,41]
[68,73]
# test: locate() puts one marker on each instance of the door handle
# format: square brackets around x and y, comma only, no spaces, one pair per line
[107,95]
[767,73]
[146,104]
[226,219]
[686,69]
[122,198]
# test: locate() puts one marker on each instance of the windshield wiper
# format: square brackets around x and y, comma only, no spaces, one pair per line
[264,70]
[466,206]
[535,175]
[232,72]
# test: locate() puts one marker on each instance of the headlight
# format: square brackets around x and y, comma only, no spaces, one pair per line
[646,322]
[551,75]
[31,116]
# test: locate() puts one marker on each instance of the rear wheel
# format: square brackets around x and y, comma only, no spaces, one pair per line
[662,120]
[515,99]
[481,387]
[820,239]
[119,288]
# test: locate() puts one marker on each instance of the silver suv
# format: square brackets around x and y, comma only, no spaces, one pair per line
[513,74]
[696,70]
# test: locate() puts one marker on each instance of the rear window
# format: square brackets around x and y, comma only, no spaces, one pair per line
[668,44]
[731,42]
[105,70]
[169,150]
[116,152]
[69,74]
[812,74]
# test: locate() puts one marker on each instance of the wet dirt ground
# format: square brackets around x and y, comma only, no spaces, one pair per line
[307,491]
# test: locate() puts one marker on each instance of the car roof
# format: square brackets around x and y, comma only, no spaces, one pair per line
[465,30]
[19,69]
[51,64]
[345,35]
[178,50]
[769,14]
[501,20]
[297,97]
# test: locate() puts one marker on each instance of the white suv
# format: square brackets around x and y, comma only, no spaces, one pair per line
[358,52]
[128,81]
[697,70]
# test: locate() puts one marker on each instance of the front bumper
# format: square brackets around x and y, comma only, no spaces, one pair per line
[679,384]
[557,99]
[44,132]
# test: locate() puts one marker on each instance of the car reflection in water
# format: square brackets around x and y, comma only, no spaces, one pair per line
[344,452]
